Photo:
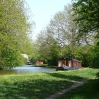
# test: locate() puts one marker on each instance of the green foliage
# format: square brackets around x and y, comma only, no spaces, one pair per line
[9,55]
[94,56]
[82,53]
[88,22]
[87,15]
[14,32]
[58,37]
[64,37]
[53,55]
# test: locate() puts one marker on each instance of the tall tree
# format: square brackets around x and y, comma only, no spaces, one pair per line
[88,22]
[63,29]
[62,34]
[59,33]
[87,16]
[14,31]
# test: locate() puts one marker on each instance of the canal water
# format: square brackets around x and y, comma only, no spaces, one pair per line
[26,69]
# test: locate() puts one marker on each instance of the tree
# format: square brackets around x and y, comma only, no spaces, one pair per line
[44,42]
[62,27]
[94,55]
[88,23]
[57,36]
[60,38]
[54,54]
[87,16]
[14,32]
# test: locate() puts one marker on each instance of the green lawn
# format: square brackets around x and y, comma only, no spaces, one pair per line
[90,90]
[42,85]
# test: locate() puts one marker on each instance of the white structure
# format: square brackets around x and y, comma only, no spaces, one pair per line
[25,56]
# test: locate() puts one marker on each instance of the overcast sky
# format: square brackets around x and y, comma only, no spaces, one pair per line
[44,10]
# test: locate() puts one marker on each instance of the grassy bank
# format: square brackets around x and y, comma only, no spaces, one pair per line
[89,90]
[41,85]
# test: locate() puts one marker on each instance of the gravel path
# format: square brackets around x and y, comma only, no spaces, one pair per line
[75,85]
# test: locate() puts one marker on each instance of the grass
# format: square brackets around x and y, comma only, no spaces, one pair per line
[42,85]
[89,90]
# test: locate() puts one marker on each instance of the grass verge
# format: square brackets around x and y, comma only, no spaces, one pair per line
[89,90]
[41,85]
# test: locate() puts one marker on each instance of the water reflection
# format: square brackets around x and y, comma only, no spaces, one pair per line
[27,69]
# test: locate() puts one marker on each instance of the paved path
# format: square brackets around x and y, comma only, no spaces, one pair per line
[75,85]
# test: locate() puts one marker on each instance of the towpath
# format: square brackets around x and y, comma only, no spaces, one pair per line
[75,85]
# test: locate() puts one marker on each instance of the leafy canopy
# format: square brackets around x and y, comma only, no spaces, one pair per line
[14,32]
[87,12]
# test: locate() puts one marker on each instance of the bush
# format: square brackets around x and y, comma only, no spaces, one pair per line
[94,56]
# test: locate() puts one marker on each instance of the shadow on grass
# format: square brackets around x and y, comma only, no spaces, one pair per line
[39,88]
[64,76]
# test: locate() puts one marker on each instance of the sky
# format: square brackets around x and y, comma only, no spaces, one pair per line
[44,10]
